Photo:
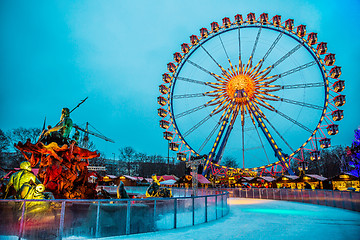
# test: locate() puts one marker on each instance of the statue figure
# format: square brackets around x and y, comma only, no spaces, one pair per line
[66,123]
[121,192]
[23,182]
[60,133]
[154,190]
[76,136]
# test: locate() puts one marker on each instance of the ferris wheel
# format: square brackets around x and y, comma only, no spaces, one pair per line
[258,90]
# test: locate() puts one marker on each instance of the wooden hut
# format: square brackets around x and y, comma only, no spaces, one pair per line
[129,180]
[262,182]
[285,181]
[344,181]
[109,180]
[312,180]
[243,181]
[167,177]
[186,181]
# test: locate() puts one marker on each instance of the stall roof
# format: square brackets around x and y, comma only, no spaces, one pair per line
[344,177]
[168,182]
[202,179]
[244,179]
[313,177]
[111,176]
[290,177]
[149,180]
[318,177]
[268,179]
[167,177]
[132,178]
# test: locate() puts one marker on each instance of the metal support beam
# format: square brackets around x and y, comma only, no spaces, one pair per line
[267,134]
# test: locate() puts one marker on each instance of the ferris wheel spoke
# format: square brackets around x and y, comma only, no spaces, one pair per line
[218,64]
[293,121]
[192,80]
[196,126]
[194,95]
[205,119]
[278,133]
[240,63]
[209,136]
[267,70]
[223,106]
[263,103]
[272,46]
[295,86]
[260,63]
[249,64]
[195,109]
[303,104]
[217,77]
[273,78]
[261,142]
[228,58]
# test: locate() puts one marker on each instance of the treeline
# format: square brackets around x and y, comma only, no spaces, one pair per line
[128,160]
[133,163]
[10,157]
[332,162]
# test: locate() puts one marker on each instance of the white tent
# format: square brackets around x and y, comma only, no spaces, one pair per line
[168,182]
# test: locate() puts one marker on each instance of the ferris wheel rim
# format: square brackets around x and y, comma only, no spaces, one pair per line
[232,28]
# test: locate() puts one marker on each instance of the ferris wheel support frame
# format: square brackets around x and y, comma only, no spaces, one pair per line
[278,153]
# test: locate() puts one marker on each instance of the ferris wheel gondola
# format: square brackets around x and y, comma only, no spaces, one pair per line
[255,88]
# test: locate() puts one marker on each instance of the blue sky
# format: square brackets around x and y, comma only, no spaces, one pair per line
[55,53]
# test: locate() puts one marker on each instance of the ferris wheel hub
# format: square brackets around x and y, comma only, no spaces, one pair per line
[240,82]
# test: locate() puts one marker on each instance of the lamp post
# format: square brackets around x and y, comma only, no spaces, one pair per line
[194,165]
[168,158]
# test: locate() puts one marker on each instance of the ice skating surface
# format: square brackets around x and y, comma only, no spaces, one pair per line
[268,219]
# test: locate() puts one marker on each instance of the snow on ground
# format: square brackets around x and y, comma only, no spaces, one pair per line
[268,219]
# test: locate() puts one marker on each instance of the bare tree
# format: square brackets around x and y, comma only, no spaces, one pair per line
[328,165]
[127,155]
[21,134]
[4,142]
[229,162]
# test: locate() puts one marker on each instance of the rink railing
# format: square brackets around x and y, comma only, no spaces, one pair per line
[340,199]
[83,219]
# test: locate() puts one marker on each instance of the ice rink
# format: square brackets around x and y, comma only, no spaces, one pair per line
[268,219]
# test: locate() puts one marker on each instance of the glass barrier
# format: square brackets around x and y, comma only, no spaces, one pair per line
[340,199]
[58,219]
[211,209]
[199,208]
